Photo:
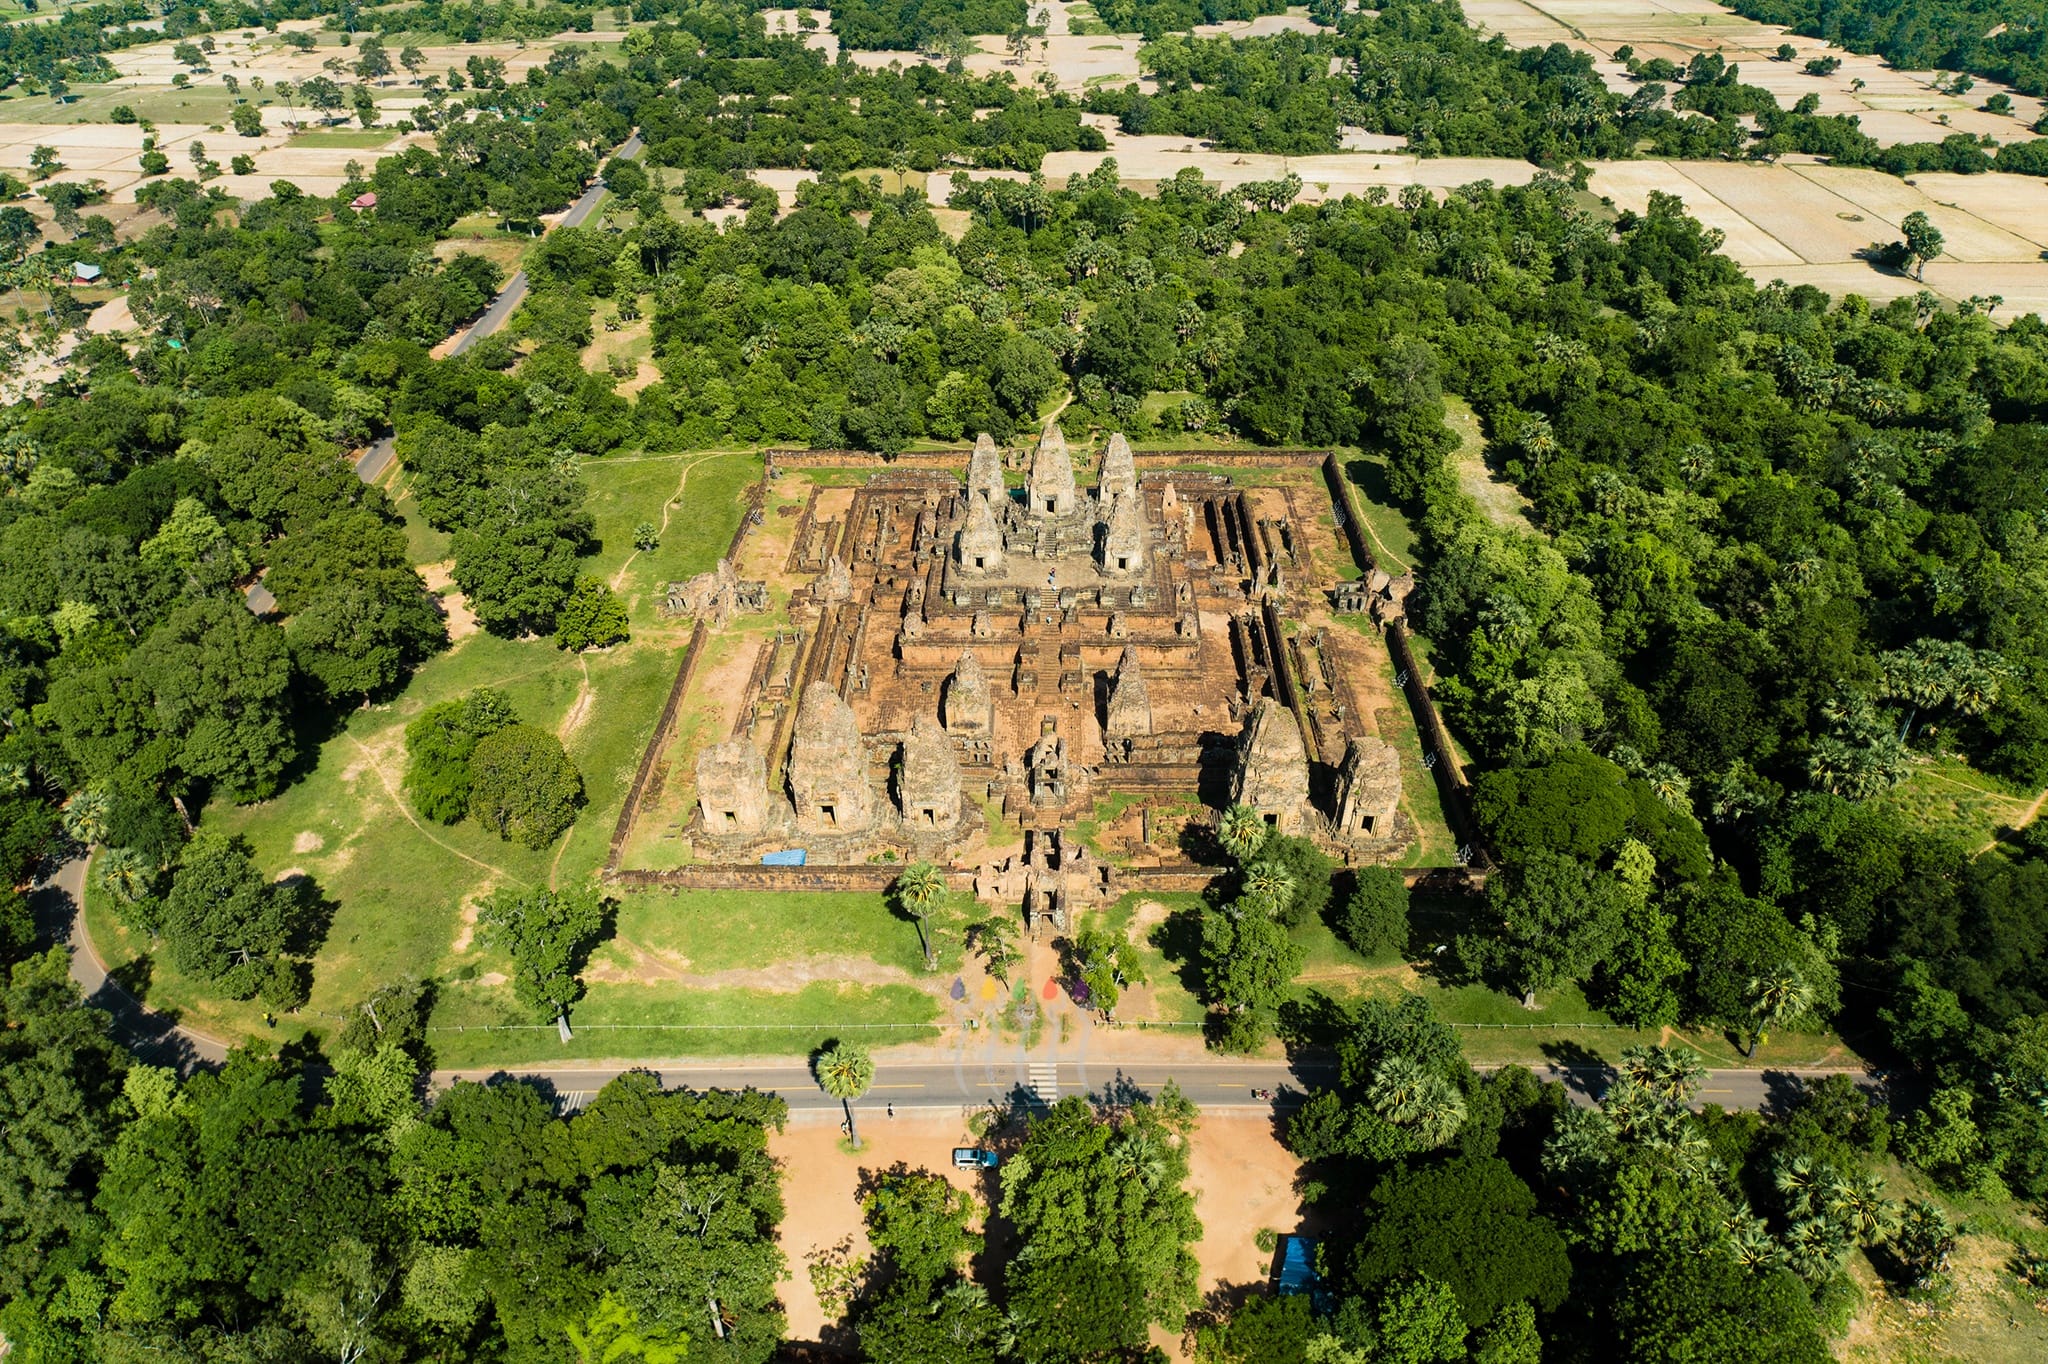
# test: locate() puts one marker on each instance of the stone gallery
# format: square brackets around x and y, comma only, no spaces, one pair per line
[962,652]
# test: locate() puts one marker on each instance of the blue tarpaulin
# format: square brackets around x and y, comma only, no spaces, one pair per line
[1297,1265]
[788,857]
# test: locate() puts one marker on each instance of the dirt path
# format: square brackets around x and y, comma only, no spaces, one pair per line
[384,780]
[2027,816]
[619,578]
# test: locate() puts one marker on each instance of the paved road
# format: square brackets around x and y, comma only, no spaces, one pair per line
[371,464]
[58,904]
[1211,1082]
[514,292]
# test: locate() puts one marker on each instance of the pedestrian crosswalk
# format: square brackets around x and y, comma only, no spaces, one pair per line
[573,1101]
[1045,1082]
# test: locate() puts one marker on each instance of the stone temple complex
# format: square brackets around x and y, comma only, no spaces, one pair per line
[965,651]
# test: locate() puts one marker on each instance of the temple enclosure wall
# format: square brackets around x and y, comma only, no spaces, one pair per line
[909,670]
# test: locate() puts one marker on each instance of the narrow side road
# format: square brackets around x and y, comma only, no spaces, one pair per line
[371,464]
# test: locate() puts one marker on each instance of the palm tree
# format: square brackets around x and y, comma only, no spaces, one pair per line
[845,1071]
[1671,1074]
[1800,1180]
[1242,831]
[920,887]
[1860,1205]
[1775,999]
[1409,1095]
[1269,885]
[84,817]
[124,875]
[1135,1156]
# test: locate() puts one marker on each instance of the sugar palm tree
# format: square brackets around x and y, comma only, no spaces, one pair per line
[1269,885]
[1671,1074]
[918,889]
[1241,831]
[84,817]
[124,875]
[1774,999]
[845,1071]
[1409,1095]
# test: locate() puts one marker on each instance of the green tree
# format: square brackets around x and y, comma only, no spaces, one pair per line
[1105,1223]
[592,617]
[224,921]
[919,1223]
[549,935]
[1923,242]
[248,120]
[1556,921]
[1776,997]
[845,1071]
[920,888]
[438,746]
[995,938]
[1675,1305]
[361,638]
[1242,831]
[218,682]
[1375,919]
[62,1107]
[1248,961]
[373,63]
[1106,964]
[522,784]
[1472,1225]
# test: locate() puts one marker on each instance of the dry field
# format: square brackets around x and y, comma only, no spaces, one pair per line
[1240,1174]
[1895,106]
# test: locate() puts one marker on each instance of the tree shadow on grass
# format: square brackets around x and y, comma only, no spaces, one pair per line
[1179,940]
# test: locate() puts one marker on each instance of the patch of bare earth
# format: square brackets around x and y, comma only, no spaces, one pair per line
[820,1187]
[643,966]
[308,842]
[1243,1179]
[579,709]
[440,581]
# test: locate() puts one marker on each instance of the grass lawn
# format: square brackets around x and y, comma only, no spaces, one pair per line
[1388,532]
[697,933]
[692,1022]
[344,137]
[1948,796]
[207,104]
[398,886]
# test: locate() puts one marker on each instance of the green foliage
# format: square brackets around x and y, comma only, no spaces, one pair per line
[928,25]
[549,934]
[523,785]
[1248,961]
[593,617]
[1104,1225]
[1942,35]
[1374,922]
[1472,1225]
[439,745]
[225,922]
